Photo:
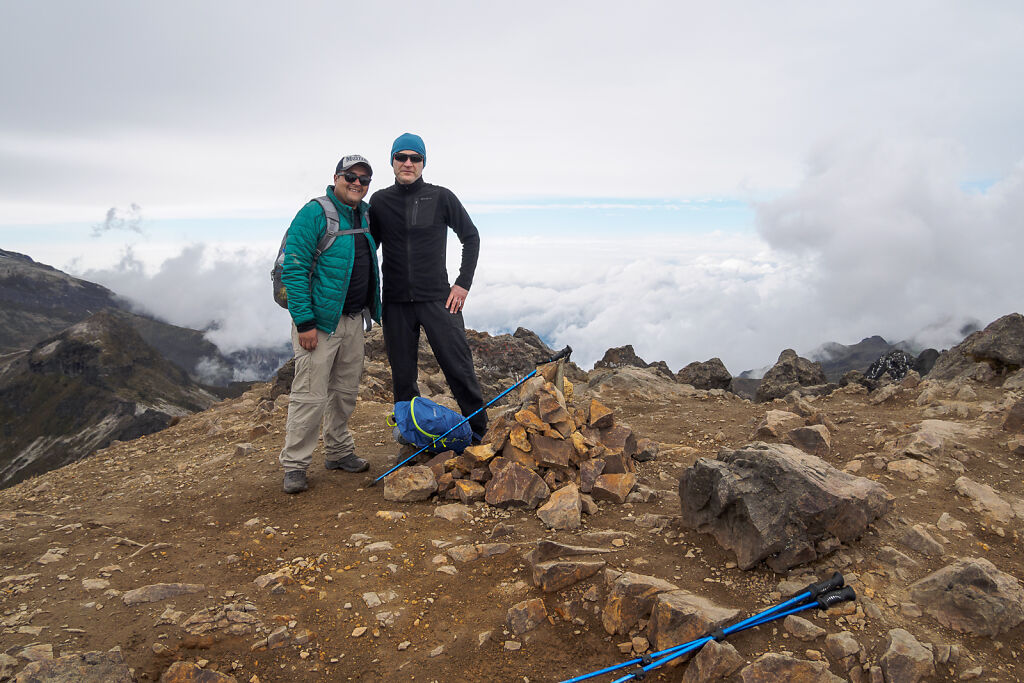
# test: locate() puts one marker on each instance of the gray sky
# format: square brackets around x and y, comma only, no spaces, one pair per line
[877,147]
[209,108]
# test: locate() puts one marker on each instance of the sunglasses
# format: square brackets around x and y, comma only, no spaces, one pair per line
[351,177]
[414,158]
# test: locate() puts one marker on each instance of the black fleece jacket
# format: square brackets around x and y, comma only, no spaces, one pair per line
[411,223]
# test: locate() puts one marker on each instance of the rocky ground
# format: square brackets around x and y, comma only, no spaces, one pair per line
[179,550]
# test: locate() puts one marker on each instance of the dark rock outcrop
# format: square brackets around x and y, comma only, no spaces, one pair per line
[625,356]
[789,372]
[711,374]
[620,356]
[1000,346]
[925,361]
[776,503]
[896,363]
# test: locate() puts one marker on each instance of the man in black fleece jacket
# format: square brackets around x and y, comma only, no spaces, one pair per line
[410,221]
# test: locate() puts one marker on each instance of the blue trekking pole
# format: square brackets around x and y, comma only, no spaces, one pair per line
[564,353]
[822,594]
[823,601]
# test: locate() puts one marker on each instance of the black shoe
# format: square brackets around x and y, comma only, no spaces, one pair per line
[295,481]
[349,463]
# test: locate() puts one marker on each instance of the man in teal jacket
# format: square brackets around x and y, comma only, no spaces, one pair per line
[328,302]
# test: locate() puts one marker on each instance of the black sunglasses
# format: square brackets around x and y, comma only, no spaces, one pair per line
[351,177]
[414,158]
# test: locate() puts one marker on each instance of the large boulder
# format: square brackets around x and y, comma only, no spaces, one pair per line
[776,503]
[1000,346]
[789,372]
[711,374]
[972,596]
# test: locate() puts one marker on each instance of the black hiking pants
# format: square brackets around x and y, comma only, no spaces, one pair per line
[446,334]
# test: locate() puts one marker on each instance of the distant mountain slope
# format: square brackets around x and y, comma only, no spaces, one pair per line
[837,359]
[73,393]
[38,301]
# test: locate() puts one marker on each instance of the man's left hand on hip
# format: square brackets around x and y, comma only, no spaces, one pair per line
[456,299]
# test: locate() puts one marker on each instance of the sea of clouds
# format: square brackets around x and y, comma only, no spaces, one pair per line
[880,237]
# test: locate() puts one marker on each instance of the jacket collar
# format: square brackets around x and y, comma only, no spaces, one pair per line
[411,187]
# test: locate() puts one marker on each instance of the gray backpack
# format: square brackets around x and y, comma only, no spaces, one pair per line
[326,240]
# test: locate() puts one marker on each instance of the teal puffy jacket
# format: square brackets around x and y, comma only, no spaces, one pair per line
[330,280]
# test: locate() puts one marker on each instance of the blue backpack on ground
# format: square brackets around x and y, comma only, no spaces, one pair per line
[420,421]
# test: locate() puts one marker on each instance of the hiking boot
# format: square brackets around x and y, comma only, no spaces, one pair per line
[295,481]
[349,463]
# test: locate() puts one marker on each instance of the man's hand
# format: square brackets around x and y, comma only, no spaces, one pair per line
[307,339]
[456,299]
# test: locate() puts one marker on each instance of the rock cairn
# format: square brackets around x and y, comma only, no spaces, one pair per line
[542,452]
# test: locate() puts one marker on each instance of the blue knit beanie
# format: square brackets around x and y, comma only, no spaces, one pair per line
[409,141]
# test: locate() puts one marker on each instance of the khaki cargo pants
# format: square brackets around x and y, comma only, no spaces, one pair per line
[324,391]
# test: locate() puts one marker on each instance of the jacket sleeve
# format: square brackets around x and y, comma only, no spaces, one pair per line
[303,235]
[462,224]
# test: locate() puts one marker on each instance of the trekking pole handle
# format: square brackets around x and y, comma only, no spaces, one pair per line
[831,598]
[828,585]
[564,353]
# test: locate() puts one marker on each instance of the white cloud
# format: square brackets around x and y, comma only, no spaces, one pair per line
[879,238]
[897,243]
[170,106]
[202,287]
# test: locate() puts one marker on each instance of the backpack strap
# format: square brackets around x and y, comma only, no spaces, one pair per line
[327,239]
[333,223]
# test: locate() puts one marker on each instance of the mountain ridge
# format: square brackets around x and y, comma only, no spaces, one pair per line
[75,392]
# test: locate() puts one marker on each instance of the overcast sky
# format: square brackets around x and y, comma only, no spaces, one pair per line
[877,148]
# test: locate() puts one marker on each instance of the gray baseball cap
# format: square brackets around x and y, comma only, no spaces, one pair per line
[351,160]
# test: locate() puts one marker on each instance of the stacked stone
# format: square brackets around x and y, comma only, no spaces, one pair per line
[545,444]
